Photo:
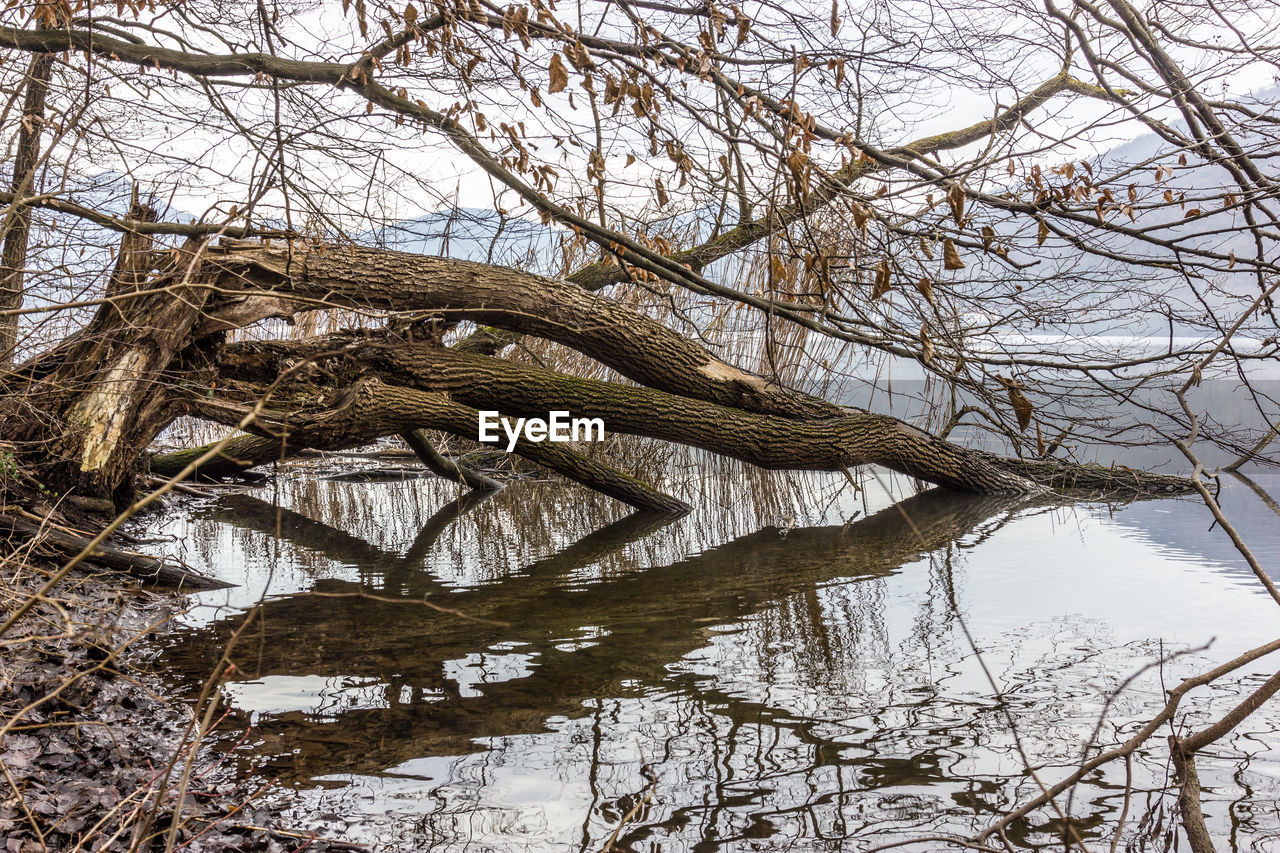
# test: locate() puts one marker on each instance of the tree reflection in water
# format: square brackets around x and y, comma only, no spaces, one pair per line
[587,667]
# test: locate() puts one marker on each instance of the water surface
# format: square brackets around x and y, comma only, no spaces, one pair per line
[797,664]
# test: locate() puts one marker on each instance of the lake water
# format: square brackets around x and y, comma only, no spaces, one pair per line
[800,663]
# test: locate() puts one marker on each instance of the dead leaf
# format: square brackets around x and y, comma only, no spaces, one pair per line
[559,76]
[955,198]
[1021,407]
[925,286]
[926,346]
[884,280]
[950,257]
[777,269]
[1042,232]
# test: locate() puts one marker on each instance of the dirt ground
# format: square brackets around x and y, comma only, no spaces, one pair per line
[94,754]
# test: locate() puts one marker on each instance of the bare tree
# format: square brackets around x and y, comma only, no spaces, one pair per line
[734,199]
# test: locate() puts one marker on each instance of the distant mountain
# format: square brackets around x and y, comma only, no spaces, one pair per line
[475,234]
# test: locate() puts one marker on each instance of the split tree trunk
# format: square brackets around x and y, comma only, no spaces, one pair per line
[84,422]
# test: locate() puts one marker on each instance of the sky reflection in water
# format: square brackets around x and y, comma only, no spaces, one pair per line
[785,667]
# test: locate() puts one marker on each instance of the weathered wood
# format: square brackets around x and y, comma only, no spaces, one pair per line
[369,409]
[438,464]
[855,438]
[373,407]
[236,456]
[614,334]
[84,425]
[165,571]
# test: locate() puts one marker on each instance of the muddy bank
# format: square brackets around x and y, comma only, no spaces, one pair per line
[95,753]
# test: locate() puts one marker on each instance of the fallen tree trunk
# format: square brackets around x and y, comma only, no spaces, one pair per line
[483,382]
[84,424]
[83,420]
[369,409]
[164,571]
[614,334]
[236,456]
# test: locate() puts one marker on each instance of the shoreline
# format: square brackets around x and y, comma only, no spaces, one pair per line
[95,749]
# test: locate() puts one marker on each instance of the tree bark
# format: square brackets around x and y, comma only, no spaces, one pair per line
[369,409]
[148,357]
[638,347]
[420,443]
[850,439]
[162,571]
[440,376]
[16,228]
[84,425]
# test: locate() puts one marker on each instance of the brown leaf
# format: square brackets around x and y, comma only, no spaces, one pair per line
[925,286]
[955,198]
[1042,232]
[835,16]
[884,280]
[1021,407]
[777,269]
[663,198]
[1195,211]
[926,346]
[796,161]
[559,76]
[410,14]
[950,257]
[744,28]
[988,235]
[926,247]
